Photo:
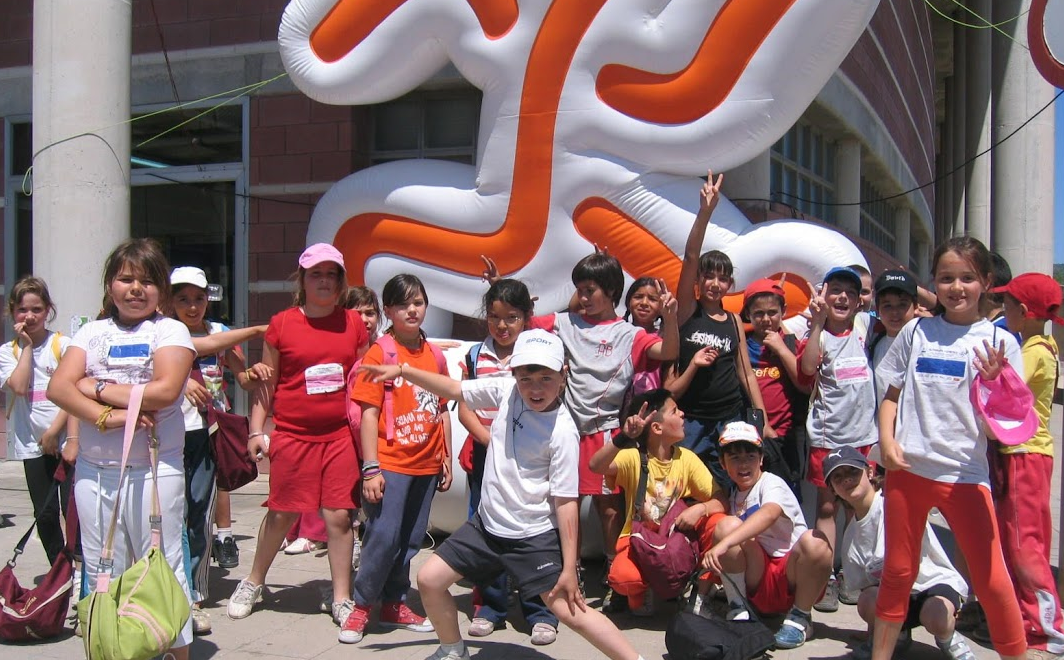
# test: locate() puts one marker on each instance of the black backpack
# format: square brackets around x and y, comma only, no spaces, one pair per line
[700,637]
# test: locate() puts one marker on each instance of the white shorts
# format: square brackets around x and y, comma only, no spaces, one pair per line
[94,491]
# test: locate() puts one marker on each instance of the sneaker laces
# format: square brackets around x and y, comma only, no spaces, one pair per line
[245,592]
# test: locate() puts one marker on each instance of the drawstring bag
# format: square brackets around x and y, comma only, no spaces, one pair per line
[28,615]
[139,614]
[666,557]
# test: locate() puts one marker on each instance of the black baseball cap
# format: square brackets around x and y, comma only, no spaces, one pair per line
[898,280]
[845,455]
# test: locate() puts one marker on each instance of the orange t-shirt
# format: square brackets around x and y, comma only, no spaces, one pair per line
[417,447]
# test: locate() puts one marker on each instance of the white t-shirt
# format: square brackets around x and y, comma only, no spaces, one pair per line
[864,551]
[532,458]
[31,415]
[842,411]
[778,539]
[878,353]
[211,367]
[937,428]
[125,356]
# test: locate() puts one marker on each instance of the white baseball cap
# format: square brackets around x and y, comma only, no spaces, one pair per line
[189,275]
[538,347]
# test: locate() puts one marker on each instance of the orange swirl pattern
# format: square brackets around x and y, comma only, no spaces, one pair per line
[690,94]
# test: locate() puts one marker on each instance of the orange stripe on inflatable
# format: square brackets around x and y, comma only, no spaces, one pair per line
[639,251]
[690,94]
[347,24]
[496,16]
[519,238]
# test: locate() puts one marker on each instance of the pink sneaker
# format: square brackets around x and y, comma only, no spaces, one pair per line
[398,615]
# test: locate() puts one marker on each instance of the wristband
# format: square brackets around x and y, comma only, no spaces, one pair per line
[400,370]
[101,421]
[623,441]
[371,474]
[256,434]
[369,465]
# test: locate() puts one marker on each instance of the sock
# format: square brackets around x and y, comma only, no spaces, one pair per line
[799,612]
[457,648]
[735,597]
[222,533]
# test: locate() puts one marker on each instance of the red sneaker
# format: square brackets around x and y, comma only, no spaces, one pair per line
[398,615]
[353,626]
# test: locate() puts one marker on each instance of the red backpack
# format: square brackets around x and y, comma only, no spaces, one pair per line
[354,409]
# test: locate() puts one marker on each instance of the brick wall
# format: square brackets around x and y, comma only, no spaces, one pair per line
[903,32]
[294,142]
[184,24]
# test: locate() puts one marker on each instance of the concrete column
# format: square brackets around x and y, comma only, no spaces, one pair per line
[81,84]
[902,229]
[923,261]
[1023,164]
[848,171]
[957,122]
[751,181]
[977,124]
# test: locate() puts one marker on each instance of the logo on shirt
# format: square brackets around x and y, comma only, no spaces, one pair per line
[605,349]
[722,344]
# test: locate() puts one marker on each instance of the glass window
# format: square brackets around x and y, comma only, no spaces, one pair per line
[436,124]
[877,218]
[802,172]
[210,136]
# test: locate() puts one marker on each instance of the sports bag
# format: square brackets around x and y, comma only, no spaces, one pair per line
[139,614]
[228,431]
[707,636]
[666,558]
[39,613]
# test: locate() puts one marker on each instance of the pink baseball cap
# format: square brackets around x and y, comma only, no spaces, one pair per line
[319,253]
[1006,406]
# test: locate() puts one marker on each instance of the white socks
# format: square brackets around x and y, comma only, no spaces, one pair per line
[735,597]
[222,533]
[457,648]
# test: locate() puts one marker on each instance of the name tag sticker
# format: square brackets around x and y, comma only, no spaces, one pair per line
[324,378]
[852,370]
[128,350]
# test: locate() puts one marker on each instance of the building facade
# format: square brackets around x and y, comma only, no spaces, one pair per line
[228,181]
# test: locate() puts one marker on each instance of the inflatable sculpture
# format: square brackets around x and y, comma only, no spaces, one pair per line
[598,117]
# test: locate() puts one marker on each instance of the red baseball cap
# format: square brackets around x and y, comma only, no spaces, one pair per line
[1039,292]
[757,287]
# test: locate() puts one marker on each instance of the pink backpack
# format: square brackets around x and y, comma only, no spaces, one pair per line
[354,409]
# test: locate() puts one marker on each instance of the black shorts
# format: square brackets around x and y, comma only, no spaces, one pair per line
[916,603]
[535,563]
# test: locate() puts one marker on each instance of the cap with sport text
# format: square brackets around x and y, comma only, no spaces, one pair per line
[538,347]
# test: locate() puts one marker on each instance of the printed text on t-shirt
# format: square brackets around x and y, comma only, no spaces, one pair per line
[722,344]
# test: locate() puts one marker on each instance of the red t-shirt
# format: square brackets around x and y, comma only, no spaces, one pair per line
[314,358]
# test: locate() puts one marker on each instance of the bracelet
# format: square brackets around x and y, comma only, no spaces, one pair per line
[370,467]
[247,374]
[256,434]
[101,421]
[73,437]
[371,474]
[400,369]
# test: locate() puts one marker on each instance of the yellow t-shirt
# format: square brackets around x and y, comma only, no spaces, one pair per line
[1040,368]
[685,476]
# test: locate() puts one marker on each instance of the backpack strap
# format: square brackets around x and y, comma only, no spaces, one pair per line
[471,359]
[391,356]
[641,489]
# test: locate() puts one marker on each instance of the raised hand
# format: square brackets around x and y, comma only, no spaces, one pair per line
[709,195]
[990,363]
[633,428]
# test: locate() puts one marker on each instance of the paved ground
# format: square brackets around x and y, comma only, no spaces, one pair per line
[288,624]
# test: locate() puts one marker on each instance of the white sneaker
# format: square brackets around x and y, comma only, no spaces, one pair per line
[302,546]
[737,612]
[201,621]
[440,655]
[955,648]
[243,599]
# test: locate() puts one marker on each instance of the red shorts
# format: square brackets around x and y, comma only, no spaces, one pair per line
[307,476]
[814,474]
[592,483]
[773,595]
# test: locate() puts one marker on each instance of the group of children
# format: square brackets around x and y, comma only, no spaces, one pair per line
[713,409]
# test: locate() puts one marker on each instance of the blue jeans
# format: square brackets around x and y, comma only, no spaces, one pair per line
[200,494]
[394,530]
[494,597]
